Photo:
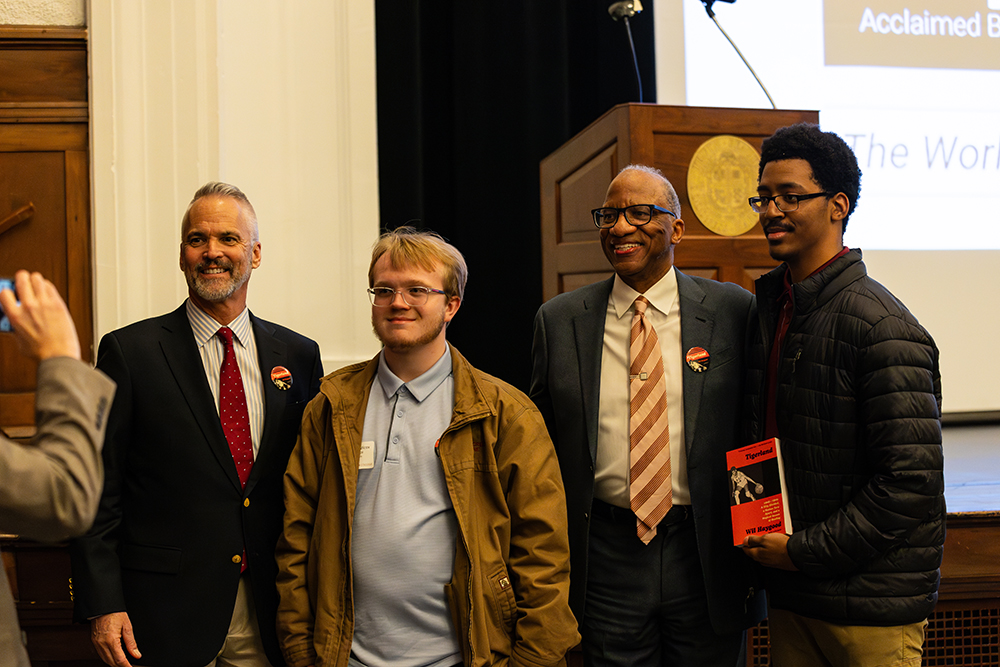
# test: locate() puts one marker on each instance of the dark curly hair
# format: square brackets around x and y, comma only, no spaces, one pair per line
[833,163]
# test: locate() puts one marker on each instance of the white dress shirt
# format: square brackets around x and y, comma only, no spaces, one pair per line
[611,473]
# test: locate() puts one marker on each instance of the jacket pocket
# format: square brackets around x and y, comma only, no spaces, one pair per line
[163,560]
[503,596]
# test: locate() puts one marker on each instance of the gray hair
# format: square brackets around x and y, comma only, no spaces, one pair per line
[673,201]
[219,189]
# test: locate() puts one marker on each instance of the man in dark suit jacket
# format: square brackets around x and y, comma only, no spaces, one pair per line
[686,597]
[179,567]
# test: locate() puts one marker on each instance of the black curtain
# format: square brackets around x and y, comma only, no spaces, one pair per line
[471,96]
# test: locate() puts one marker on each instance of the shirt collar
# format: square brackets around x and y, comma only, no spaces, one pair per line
[786,292]
[419,387]
[205,327]
[660,296]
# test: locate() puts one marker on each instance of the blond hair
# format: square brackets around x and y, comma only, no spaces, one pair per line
[406,246]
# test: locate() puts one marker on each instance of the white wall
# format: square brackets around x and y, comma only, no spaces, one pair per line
[669,31]
[43,12]
[275,97]
[956,296]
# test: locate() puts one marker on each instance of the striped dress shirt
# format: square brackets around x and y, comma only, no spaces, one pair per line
[245,345]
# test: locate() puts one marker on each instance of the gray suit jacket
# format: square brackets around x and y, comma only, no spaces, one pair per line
[565,384]
[49,489]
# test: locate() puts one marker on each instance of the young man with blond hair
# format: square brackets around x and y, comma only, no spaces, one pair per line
[425,521]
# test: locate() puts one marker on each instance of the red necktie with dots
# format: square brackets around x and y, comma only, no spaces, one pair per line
[234,415]
[233,409]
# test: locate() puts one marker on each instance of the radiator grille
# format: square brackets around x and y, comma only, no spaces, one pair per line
[969,636]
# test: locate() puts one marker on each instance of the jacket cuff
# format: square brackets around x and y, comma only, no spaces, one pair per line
[301,655]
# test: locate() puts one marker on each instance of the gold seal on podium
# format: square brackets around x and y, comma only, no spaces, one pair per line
[721,176]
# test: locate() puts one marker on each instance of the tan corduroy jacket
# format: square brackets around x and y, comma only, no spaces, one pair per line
[509,593]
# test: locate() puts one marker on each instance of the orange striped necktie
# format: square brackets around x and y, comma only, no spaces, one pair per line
[650,490]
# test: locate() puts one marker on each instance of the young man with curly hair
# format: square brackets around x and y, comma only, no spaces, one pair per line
[847,378]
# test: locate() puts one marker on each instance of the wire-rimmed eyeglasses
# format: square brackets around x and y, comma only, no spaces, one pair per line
[413,296]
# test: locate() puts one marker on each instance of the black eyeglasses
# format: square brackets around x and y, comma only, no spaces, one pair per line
[413,296]
[636,215]
[785,203]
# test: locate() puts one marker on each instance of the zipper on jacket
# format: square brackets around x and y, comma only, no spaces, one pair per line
[766,328]
[454,427]
[795,359]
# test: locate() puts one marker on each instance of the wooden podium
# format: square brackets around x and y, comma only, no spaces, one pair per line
[575,177]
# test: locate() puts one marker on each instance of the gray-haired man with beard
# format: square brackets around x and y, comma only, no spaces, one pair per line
[179,567]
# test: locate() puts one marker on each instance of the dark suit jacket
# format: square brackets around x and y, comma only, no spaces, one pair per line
[172,515]
[565,384]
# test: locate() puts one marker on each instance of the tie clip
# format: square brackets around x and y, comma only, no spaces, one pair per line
[640,376]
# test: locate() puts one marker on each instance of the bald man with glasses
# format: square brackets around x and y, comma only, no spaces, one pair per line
[655,579]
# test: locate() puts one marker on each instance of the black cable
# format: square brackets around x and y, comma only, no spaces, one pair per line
[635,60]
[711,15]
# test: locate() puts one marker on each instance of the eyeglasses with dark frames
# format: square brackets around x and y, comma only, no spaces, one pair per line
[786,203]
[413,296]
[636,215]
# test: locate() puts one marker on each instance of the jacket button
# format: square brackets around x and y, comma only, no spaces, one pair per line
[237,558]
[246,502]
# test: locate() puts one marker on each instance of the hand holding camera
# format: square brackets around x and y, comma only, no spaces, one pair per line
[40,321]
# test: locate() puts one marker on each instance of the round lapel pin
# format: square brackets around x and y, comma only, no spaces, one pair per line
[697,358]
[281,378]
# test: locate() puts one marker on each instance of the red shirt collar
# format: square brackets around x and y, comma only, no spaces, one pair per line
[788,274]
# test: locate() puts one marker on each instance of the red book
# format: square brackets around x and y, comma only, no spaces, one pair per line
[758,497]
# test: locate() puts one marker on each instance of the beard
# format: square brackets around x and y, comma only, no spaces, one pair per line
[396,341]
[215,290]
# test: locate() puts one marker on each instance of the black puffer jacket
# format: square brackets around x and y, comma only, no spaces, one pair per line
[858,413]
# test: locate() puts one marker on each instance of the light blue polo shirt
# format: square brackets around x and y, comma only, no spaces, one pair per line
[403,542]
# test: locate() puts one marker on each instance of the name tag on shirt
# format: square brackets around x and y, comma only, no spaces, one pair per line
[367,461]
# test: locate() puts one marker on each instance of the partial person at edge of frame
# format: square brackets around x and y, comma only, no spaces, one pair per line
[50,488]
